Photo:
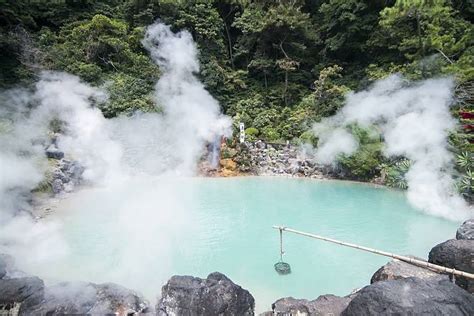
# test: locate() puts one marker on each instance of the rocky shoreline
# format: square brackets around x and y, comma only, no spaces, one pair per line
[266,159]
[396,288]
[272,159]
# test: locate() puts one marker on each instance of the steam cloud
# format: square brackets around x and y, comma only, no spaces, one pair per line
[415,121]
[128,163]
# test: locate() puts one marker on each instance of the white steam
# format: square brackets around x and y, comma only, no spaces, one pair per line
[334,142]
[415,122]
[127,160]
[192,114]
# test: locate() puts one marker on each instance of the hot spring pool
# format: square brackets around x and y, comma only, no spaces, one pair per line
[139,233]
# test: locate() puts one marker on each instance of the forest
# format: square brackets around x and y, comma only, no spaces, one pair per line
[277,66]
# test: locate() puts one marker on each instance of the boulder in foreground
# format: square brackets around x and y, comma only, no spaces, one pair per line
[457,254]
[324,305]
[412,296]
[466,230]
[216,295]
[81,298]
[21,293]
[396,269]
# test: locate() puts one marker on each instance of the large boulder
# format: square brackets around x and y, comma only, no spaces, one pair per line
[21,293]
[216,295]
[324,305]
[89,299]
[396,269]
[466,230]
[457,254]
[411,296]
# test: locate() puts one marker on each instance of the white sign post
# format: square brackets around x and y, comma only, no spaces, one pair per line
[242,132]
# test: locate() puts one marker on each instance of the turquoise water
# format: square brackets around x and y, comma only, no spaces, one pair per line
[201,225]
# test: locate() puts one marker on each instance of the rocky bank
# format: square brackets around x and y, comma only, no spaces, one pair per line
[271,159]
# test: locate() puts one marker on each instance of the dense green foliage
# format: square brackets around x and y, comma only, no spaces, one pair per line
[277,66]
[394,173]
[364,163]
[465,164]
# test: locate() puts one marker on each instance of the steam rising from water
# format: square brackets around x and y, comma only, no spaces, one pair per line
[128,162]
[192,114]
[415,121]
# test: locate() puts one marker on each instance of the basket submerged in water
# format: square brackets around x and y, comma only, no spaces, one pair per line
[282,268]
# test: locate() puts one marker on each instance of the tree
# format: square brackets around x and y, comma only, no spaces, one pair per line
[345,26]
[363,164]
[418,28]
[328,96]
[277,34]
[228,10]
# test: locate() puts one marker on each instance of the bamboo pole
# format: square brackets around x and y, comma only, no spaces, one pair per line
[420,263]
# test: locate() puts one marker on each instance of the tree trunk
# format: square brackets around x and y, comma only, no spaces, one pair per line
[418,30]
[229,42]
[420,41]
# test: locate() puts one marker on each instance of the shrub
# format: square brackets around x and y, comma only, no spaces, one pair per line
[270,134]
[251,134]
[394,173]
[364,163]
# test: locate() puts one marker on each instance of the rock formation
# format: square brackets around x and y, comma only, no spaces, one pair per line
[411,296]
[21,293]
[88,299]
[457,254]
[66,174]
[396,269]
[466,230]
[215,295]
[261,158]
[28,295]
[324,305]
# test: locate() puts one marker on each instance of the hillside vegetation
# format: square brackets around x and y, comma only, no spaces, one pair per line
[278,66]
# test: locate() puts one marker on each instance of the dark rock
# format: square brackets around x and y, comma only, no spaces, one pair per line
[89,298]
[116,297]
[411,296]
[466,231]
[26,292]
[260,145]
[216,295]
[457,254]
[54,153]
[66,175]
[324,305]
[397,269]
[73,170]
[57,186]
[59,175]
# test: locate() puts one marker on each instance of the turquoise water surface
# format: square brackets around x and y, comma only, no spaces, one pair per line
[196,226]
